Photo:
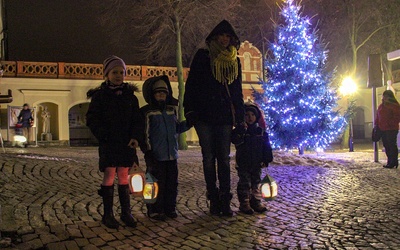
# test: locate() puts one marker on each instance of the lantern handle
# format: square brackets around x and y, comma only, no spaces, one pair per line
[135,168]
[266,174]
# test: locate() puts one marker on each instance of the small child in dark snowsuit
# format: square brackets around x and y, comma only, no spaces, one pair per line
[160,147]
[253,152]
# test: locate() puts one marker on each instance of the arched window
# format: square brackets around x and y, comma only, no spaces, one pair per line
[247,59]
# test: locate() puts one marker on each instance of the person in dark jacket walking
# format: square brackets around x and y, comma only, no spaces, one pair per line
[213,103]
[160,146]
[114,119]
[387,119]
[253,152]
[25,118]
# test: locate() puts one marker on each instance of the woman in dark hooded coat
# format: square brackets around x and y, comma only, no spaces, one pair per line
[213,103]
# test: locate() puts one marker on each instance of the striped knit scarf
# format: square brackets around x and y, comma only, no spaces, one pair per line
[223,62]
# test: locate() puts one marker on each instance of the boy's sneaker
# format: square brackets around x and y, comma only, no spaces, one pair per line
[257,206]
[245,207]
[172,214]
[157,216]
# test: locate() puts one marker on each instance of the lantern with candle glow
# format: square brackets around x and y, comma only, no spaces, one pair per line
[268,188]
[150,190]
[136,180]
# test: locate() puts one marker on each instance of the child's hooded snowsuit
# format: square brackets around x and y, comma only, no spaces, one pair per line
[161,143]
[252,149]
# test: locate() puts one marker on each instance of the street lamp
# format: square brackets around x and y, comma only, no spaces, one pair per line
[348,88]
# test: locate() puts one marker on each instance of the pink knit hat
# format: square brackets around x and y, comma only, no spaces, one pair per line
[112,62]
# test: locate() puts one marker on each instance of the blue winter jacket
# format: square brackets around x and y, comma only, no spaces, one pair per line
[161,132]
[162,127]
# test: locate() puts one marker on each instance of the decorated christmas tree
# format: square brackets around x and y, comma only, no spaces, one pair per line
[299,98]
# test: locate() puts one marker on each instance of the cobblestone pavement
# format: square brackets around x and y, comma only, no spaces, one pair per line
[49,200]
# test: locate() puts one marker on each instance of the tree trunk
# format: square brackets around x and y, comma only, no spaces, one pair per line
[181,86]
[301,150]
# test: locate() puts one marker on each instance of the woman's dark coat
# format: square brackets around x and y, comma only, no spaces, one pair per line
[207,99]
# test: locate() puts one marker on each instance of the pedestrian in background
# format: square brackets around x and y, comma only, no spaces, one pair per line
[253,152]
[114,119]
[25,119]
[213,103]
[387,120]
[160,146]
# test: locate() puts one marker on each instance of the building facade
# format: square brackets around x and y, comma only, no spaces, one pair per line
[59,90]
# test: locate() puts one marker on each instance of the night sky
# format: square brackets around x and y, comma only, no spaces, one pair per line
[58,31]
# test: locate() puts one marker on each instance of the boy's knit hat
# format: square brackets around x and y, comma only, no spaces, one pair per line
[160,85]
[112,62]
[253,108]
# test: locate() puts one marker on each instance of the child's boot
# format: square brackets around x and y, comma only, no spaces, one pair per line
[256,205]
[245,206]
[107,192]
[124,199]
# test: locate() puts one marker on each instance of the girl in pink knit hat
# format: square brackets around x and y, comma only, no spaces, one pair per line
[114,119]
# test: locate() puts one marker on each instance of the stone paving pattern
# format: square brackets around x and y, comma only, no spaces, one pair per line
[52,203]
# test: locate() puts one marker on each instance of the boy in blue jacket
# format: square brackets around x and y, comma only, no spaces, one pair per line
[160,146]
[253,152]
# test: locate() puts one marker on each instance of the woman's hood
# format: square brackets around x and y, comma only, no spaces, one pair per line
[221,28]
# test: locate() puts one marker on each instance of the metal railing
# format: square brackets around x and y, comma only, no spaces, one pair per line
[82,70]
[94,71]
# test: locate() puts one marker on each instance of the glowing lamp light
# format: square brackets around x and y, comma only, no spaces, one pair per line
[150,190]
[20,138]
[136,180]
[268,188]
[319,150]
[19,141]
[348,86]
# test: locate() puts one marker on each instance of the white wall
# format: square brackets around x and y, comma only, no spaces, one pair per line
[65,93]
